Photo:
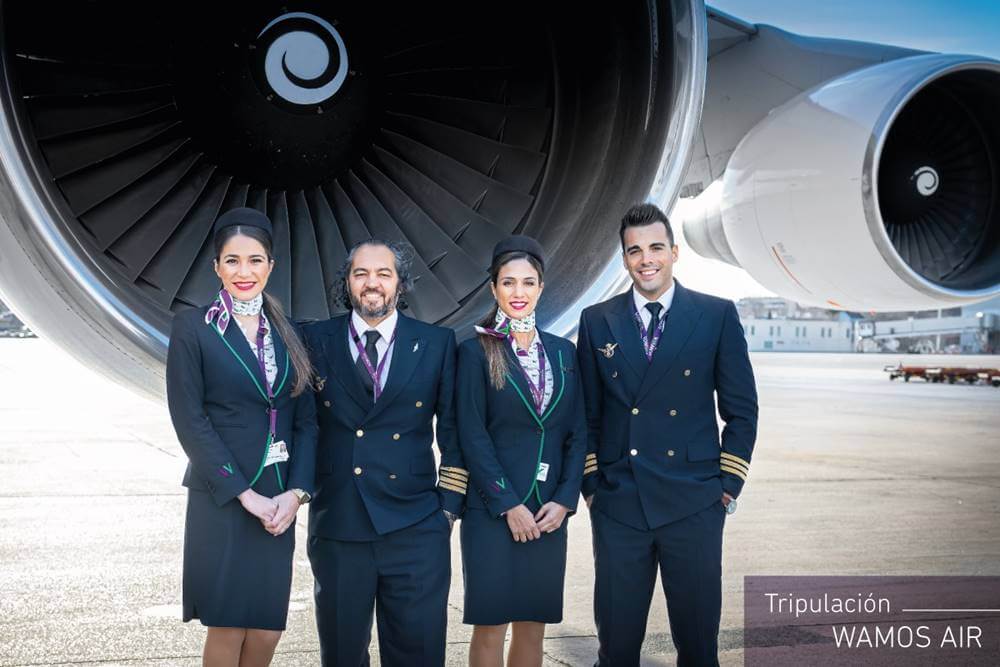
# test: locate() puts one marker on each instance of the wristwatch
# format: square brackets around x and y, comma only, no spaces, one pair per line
[301,495]
[731,507]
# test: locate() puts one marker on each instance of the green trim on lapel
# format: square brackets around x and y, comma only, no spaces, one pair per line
[562,387]
[538,466]
[250,373]
[267,444]
[242,363]
[541,423]
[531,410]
[534,413]
[260,468]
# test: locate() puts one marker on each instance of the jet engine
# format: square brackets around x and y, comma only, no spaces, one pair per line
[127,128]
[876,190]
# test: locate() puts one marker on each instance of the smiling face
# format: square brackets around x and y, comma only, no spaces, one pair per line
[373,281]
[517,288]
[244,267]
[649,258]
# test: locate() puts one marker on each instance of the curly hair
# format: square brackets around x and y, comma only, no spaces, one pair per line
[403,254]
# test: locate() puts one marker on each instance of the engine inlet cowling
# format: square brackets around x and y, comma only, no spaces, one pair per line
[876,190]
[128,128]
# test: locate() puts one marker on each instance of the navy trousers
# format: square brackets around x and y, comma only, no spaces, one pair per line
[403,577]
[688,553]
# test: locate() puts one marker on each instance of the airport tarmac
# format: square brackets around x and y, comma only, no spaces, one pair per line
[852,474]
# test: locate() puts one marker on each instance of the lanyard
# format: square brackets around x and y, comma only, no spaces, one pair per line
[537,393]
[649,346]
[374,373]
[268,395]
[540,420]
[272,412]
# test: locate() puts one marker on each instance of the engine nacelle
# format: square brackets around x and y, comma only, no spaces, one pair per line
[877,190]
[126,129]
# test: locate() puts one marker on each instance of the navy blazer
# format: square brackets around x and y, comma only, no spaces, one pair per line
[504,439]
[221,418]
[653,449]
[375,466]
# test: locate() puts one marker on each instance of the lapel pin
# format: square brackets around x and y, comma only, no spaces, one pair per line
[416,346]
[608,350]
[320,383]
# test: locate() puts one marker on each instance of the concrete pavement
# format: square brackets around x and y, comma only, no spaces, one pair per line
[852,475]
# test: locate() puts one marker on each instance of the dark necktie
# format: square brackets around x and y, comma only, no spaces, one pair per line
[654,309]
[371,338]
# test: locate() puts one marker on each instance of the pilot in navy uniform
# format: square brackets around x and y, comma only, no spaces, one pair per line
[380,522]
[659,484]
[239,393]
[523,434]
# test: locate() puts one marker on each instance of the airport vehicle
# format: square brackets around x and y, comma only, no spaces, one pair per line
[949,374]
[842,174]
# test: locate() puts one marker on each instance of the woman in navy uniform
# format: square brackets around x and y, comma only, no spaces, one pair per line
[239,397]
[522,430]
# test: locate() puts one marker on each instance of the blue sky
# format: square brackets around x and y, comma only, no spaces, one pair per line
[950,26]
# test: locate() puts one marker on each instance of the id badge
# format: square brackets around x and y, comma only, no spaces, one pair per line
[276,453]
[543,472]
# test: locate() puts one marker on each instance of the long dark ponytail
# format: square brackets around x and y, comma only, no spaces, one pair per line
[273,309]
[496,358]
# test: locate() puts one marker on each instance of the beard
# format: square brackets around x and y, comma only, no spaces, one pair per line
[364,309]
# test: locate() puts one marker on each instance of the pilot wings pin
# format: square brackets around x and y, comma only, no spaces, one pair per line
[608,350]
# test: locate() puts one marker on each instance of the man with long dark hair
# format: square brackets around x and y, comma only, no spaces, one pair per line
[379,525]
[657,479]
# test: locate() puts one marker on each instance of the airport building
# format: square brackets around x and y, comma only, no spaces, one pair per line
[971,329]
[773,324]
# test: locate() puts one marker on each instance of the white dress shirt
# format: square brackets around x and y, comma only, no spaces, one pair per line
[665,300]
[385,328]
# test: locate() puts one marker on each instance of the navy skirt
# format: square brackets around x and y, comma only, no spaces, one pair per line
[508,581]
[236,574]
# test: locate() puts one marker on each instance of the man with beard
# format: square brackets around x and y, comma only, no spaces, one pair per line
[379,525]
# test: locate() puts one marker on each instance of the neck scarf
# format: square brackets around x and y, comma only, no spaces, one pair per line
[524,325]
[505,327]
[225,306]
[221,311]
[251,307]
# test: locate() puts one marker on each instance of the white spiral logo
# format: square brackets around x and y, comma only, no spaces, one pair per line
[926,179]
[298,57]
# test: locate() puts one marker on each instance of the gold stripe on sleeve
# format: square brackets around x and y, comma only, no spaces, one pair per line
[460,481]
[736,471]
[735,460]
[451,487]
